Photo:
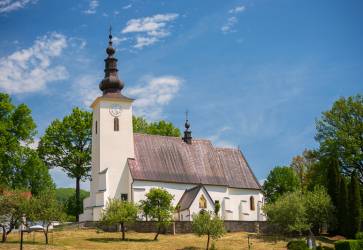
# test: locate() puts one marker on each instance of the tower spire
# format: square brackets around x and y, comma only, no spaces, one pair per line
[111,84]
[187,133]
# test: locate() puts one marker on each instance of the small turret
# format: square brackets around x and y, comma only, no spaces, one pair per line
[187,133]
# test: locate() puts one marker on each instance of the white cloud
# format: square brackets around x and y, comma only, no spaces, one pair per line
[237,9]
[149,30]
[117,40]
[29,70]
[88,88]
[92,7]
[12,5]
[217,140]
[127,6]
[232,20]
[152,96]
[228,27]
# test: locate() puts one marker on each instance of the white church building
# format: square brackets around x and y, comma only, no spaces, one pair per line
[126,165]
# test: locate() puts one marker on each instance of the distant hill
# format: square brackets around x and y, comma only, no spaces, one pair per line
[63,194]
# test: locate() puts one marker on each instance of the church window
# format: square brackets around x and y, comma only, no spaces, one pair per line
[202,202]
[252,203]
[124,197]
[96,127]
[116,124]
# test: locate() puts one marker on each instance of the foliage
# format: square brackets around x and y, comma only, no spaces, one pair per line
[318,208]
[119,212]
[158,204]
[13,204]
[339,132]
[359,236]
[279,181]
[343,208]
[324,248]
[20,166]
[302,165]
[67,144]
[288,213]
[333,182]
[348,244]
[46,209]
[217,207]
[354,216]
[140,125]
[205,223]
[297,245]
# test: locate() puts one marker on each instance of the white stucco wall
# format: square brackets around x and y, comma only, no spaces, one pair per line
[110,151]
[235,196]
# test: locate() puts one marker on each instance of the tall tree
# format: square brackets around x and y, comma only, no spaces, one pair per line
[333,179]
[343,208]
[119,212]
[279,181]
[339,132]
[20,166]
[354,214]
[159,205]
[140,125]
[304,165]
[67,144]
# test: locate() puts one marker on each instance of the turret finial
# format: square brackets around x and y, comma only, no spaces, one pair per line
[187,133]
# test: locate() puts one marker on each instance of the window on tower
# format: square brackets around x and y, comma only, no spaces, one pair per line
[96,127]
[116,125]
[124,197]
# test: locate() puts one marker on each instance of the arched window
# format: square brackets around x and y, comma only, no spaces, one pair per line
[202,202]
[96,127]
[116,124]
[252,203]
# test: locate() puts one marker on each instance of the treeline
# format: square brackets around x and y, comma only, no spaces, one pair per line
[322,187]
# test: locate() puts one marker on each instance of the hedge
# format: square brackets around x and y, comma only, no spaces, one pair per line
[349,245]
[297,245]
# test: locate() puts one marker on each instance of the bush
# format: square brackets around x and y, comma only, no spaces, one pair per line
[297,245]
[324,248]
[359,236]
[349,245]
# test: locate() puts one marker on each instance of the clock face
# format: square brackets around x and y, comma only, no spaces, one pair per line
[115,110]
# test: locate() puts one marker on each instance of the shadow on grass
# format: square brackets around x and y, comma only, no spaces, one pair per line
[106,240]
[25,242]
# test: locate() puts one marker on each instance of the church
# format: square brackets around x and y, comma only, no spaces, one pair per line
[126,165]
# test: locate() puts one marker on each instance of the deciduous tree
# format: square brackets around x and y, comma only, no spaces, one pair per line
[205,223]
[339,133]
[159,205]
[119,212]
[140,125]
[279,181]
[67,144]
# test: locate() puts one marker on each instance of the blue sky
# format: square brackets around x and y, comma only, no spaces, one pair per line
[254,74]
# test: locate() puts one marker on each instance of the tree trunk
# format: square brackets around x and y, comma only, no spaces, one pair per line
[157,233]
[4,234]
[78,197]
[46,235]
[208,242]
[123,230]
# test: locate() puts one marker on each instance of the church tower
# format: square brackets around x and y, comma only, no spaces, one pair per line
[112,142]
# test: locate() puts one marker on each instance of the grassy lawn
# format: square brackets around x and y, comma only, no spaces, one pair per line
[90,239]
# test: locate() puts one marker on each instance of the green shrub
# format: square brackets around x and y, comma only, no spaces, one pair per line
[297,245]
[349,245]
[359,236]
[324,248]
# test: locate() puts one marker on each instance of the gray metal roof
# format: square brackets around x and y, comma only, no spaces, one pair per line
[189,196]
[169,159]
